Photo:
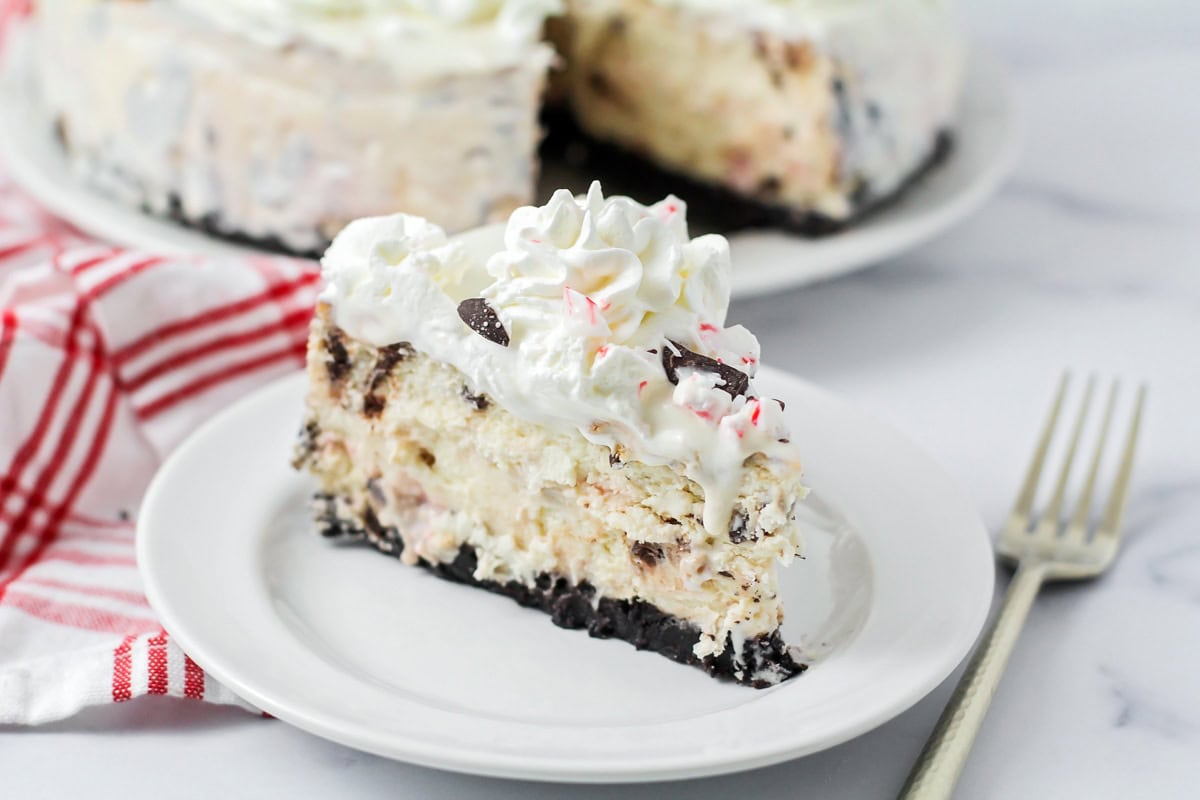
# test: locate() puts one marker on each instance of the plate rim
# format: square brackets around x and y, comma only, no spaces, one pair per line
[39,168]
[534,766]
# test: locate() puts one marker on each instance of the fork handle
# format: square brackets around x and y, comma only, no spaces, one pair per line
[941,762]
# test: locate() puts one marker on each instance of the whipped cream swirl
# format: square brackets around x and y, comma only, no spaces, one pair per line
[415,36]
[615,323]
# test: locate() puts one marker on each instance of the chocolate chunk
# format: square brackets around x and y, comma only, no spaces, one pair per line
[387,357]
[737,528]
[675,355]
[427,458]
[649,554]
[338,363]
[373,405]
[479,401]
[481,318]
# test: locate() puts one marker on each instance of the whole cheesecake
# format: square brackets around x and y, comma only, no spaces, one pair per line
[280,121]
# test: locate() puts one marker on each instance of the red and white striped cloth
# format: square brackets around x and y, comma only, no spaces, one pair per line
[108,358]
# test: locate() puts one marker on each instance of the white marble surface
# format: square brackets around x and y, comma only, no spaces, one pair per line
[1090,258]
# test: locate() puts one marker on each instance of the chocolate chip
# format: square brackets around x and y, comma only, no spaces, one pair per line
[734,381]
[481,318]
[427,458]
[386,358]
[649,554]
[737,528]
[338,363]
[373,405]
[479,401]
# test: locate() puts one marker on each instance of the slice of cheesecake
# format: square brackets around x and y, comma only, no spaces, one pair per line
[812,110]
[556,411]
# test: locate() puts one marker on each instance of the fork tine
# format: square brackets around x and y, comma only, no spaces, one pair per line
[1114,511]
[1048,526]
[1077,529]
[1024,504]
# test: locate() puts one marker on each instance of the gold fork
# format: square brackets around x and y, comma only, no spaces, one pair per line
[1042,549]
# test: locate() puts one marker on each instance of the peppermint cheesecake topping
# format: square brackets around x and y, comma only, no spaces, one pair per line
[612,319]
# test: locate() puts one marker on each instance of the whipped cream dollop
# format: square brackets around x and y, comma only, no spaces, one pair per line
[416,36]
[613,324]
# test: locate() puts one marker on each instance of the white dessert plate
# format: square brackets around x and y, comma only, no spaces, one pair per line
[985,148]
[353,646]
